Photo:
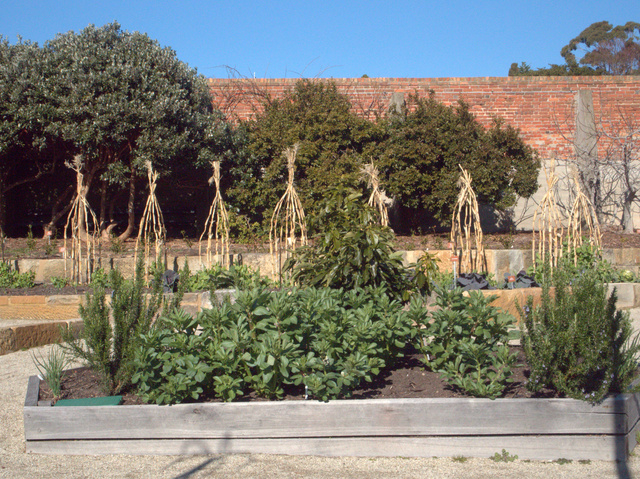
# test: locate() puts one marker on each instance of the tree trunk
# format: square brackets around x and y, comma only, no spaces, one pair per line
[130,207]
[56,214]
[3,210]
[627,215]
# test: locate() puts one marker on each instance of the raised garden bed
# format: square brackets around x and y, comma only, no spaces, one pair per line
[531,428]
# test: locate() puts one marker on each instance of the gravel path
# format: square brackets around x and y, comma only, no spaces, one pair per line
[15,368]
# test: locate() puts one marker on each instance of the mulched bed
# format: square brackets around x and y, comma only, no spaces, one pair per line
[407,379]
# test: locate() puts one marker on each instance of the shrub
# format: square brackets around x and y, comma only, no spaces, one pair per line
[576,342]
[110,350]
[465,339]
[322,341]
[350,250]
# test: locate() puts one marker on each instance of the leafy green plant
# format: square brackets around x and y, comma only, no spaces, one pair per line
[51,367]
[188,241]
[426,272]
[31,242]
[466,340]
[351,250]
[504,456]
[459,459]
[59,282]
[116,245]
[10,278]
[110,350]
[576,342]
[323,341]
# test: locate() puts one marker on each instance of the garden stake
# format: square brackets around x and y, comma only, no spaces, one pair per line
[78,223]
[546,220]
[465,225]
[152,222]
[376,200]
[218,215]
[282,234]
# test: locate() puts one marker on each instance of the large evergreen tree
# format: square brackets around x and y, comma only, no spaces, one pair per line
[121,99]
[428,141]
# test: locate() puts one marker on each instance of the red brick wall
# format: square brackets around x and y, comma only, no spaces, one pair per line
[541,107]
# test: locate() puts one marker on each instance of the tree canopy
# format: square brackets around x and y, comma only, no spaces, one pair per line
[426,144]
[604,50]
[331,141]
[116,98]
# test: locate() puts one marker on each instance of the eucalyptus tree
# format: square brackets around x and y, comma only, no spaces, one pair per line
[121,100]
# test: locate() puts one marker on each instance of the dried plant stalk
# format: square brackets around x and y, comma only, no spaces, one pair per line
[151,223]
[288,229]
[582,221]
[376,200]
[82,257]
[547,222]
[466,229]
[220,233]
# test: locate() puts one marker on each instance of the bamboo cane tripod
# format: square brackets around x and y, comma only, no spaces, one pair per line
[288,229]
[151,223]
[583,223]
[466,228]
[376,200]
[548,223]
[218,216]
[82,258]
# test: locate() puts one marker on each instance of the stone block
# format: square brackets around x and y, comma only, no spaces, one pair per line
[63,299]
[36,335]
[18,300]
[512,300]
[7,341]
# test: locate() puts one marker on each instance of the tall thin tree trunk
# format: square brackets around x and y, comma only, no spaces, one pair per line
[627,215]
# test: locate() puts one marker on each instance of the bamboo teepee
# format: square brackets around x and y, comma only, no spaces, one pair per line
[547,224]
[376,200]
[583,223]
[220,233]
[288,229]
[84,236]
[466,230]
[151,223]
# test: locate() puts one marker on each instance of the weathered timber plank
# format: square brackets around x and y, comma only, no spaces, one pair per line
[33,391]
[526,447]
[396,417]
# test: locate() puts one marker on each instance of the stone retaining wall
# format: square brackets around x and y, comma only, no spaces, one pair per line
[499,262]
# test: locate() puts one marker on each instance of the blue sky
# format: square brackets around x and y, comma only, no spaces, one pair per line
[339,39]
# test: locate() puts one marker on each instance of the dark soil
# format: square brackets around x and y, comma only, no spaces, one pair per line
[406,379]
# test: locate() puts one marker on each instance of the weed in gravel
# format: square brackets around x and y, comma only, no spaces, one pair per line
[503,457]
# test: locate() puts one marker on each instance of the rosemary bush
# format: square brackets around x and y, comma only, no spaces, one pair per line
[110,350]
[576,342]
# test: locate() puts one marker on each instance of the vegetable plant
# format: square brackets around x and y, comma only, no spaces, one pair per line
[465,339]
